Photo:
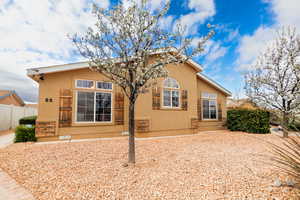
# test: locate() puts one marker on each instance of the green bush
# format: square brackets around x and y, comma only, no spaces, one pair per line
[28,120]
[251,121]
[24,134]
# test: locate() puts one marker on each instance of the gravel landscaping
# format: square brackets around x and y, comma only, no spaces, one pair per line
[212,165]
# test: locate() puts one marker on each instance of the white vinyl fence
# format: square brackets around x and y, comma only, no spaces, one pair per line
[10,115]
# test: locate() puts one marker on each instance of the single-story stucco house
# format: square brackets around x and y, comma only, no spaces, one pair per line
[76,102]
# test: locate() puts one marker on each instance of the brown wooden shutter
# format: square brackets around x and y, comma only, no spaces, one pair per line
[219,112]
[142,125]
[199,106]
[194,123]
[65,108]
[45,128]
[184,100]
[156,98]
[119,108]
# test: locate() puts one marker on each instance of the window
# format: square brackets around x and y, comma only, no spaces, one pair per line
[103,107]
[206,95]
[104,85]
[209,105]
[171,83]
[171,93]
[84,84]
[85,106]
[94,107]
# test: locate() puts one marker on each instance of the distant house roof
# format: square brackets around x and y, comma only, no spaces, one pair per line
[234,103]
[7,93]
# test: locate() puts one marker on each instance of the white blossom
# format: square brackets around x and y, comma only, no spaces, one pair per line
[125,38]
[275,81]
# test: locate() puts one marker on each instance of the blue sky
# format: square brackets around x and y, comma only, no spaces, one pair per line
[34,35]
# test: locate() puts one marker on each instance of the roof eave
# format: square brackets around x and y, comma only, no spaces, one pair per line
[216,85]
[72,66]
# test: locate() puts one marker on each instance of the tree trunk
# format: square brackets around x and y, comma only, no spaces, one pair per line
[131,144]
[285,125]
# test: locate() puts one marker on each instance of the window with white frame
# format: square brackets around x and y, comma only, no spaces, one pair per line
[94,107]
[84,84]
[170,93]
[209,105]
[104,85]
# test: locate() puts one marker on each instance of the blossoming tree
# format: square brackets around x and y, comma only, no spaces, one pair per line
[121,44]
[274,83]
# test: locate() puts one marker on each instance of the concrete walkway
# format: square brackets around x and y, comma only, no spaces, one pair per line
[9,188]
[276,131]
[6,140]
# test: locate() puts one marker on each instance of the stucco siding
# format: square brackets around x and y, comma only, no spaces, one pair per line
[203,86]
[164,121]
[168,118]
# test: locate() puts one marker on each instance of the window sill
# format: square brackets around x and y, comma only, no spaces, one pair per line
[78,124]
[169,109]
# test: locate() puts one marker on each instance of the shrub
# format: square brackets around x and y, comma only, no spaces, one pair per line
[28,120]
[25,134]
[251,121]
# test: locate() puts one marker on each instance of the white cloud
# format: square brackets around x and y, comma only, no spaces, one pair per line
[152,5]
[233,34]
[213,51]
[286,13]
[166,22]
[251,45]
[202,10]
[35,34]
[21,84]
[217,51]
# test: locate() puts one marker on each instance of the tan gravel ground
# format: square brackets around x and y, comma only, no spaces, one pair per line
[219,165]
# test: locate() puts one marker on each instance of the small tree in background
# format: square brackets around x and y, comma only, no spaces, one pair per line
[121,44]
[274,82]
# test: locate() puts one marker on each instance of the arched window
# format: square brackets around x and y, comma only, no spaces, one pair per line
[170,93]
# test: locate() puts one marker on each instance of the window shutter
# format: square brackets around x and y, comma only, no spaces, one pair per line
[156,98]
[219,112]
[65,108]
[119,108]
[199,109]
[184,100]
[142,125]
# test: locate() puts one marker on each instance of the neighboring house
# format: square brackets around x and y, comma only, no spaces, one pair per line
[240,104]
[12,109]
[10,97]
[79,103]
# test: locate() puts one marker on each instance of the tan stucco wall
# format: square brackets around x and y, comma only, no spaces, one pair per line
[161,121]
[49,111]
[171,119]
[203,86]
[10,100]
